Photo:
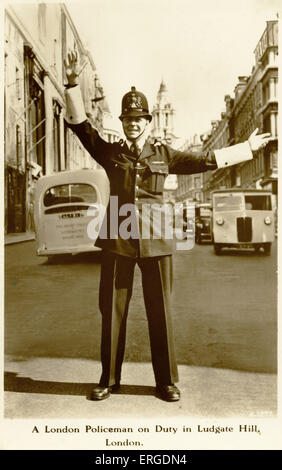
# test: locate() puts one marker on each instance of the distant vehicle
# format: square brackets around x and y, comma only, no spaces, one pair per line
[61,203]
[203,223]
[242,218]
[184,221]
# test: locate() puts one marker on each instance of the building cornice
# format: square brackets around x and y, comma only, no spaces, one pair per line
[269,68]
[271,103]
[269,48]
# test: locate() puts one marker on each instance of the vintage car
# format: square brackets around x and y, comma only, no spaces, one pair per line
[64,205]
[203,223]
[243,218]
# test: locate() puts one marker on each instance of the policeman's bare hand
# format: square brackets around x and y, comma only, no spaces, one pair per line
[72,68]
[258,141]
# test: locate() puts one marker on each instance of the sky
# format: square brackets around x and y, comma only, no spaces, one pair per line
[198,47]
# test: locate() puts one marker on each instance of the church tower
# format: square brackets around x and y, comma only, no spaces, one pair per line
[163,114]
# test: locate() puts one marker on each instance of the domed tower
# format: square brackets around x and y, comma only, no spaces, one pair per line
[163,113]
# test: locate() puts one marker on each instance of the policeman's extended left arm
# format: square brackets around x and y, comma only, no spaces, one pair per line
[238,153]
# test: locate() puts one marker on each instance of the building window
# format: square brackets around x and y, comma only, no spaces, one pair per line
[37,126]
[18,84]
[266,124]
[275,87]
[273,160]
[265,93]
[66,145]
[261,163]
[56,136]
[18,146]
[273,124]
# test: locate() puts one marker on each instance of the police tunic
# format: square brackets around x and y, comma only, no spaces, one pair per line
[138,181]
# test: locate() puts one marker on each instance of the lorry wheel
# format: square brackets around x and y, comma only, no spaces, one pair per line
[267,249]
[217,248]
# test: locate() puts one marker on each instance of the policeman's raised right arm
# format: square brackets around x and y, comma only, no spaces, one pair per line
[75,115]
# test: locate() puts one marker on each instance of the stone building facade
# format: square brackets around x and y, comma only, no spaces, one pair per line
[255,105]
[266,54]
[37,38]
[220,135]
[190,186]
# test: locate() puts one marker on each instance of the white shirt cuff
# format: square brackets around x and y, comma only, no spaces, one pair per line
[232,155]
[75,110]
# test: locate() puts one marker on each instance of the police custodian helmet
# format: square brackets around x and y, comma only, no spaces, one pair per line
[134,103]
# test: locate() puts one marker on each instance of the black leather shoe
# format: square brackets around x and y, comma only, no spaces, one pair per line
[168,392]
[101,393]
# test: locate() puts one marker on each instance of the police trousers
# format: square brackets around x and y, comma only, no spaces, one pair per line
[117,273]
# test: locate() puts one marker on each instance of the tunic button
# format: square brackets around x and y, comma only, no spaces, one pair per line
[137,187]
[138,165]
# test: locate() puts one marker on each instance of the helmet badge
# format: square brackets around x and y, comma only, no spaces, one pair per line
[133,101]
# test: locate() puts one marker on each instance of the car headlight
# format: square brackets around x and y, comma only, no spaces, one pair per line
[267,220]
[220,221]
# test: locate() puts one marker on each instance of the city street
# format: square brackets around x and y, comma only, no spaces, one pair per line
[224,324]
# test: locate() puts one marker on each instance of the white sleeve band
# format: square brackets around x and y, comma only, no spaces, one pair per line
[234,154]
[75,110]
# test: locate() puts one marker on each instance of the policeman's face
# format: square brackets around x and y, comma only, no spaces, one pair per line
[133,127]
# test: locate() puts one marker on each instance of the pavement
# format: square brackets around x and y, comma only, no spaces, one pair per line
[60,388]
[18,237]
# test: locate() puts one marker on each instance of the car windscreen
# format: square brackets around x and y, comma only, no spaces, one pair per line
[228,203]
[70,193]
[258,202]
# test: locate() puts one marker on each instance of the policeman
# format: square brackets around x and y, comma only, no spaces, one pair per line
[137,170]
